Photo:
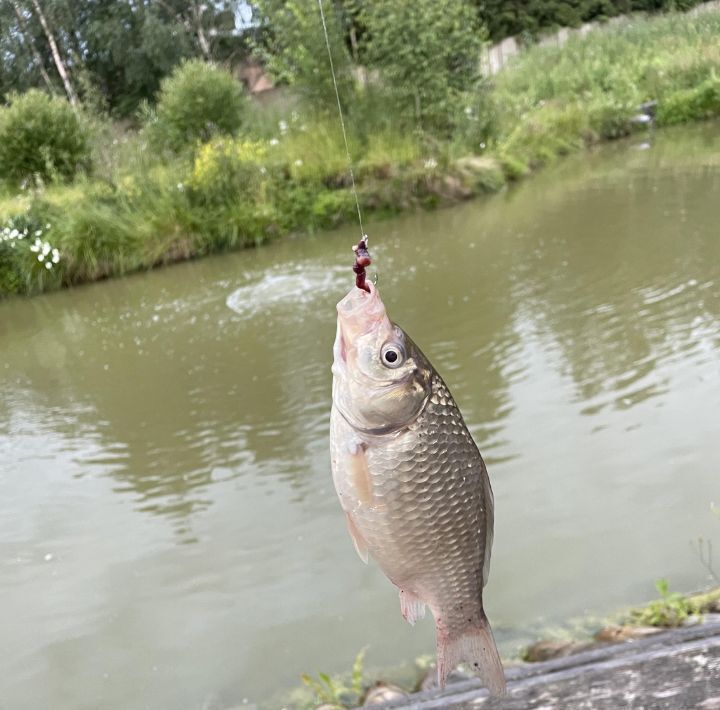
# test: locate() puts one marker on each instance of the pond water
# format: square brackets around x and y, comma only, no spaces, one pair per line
[168,528]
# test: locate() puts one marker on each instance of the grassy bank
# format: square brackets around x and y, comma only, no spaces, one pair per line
[362,684]
[139,207]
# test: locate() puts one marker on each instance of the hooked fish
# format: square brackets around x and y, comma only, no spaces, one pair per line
[411,480]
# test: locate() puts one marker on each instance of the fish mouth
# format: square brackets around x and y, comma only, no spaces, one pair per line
[359,312]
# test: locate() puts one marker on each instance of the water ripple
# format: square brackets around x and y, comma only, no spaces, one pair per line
[286,285]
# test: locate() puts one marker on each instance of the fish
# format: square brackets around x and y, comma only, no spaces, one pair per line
[412,483]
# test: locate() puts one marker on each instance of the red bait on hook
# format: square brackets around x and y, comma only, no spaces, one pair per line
[362,261]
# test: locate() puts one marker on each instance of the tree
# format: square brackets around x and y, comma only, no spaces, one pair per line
[292,44]
[27,39]
[427,53]
[118,49]
[54,49]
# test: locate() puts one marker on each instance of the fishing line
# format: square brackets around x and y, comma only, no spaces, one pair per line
[342,121]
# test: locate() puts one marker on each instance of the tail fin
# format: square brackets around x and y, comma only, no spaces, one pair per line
[476,646]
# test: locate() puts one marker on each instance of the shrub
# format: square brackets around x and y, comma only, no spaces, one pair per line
[227,169]
[41,136]
[685,105]
[196,102]
[609,118]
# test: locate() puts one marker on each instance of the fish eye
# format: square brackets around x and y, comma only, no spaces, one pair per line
[392,355]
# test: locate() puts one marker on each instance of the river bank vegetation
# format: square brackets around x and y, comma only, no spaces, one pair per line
[204,168]
[370,686]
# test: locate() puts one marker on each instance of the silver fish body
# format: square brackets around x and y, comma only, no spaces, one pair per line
[412,483]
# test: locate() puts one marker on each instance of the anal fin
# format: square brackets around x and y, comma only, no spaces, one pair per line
[360,545]
[411,606]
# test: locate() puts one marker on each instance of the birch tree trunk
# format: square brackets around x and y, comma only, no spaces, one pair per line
[27,38]
[197,12]
[62,70]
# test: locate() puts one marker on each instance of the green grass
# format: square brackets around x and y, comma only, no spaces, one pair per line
[288,172]
[553,100]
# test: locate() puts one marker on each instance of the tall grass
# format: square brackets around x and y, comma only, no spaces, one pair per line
[551,100]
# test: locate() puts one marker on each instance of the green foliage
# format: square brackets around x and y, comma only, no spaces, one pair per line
[427,53]
[545,134]
[293,48]
[117,51]
[288,171]
[528,18]
[41,137]
[229,169]
[694,104]
[553,100]
[632,62]
[672,609]
[197,102]
[335,691]
[29,260]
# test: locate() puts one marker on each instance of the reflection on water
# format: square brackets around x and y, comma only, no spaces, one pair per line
[167,520]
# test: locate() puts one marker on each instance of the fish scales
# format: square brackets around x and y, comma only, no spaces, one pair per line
[426,525]
[412,482]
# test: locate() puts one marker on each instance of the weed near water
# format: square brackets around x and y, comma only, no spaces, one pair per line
[671,609]
[336,691]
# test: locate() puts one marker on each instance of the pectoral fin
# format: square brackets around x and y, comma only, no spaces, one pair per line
[360,544]
[360,476]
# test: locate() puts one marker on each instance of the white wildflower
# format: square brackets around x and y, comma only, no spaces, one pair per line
[55,256]
[468,111]
[41,257]
[263,170]
[47,226]
[180,186]
[283,126]
[274,141]
[48,264]
[46,248]
[430,164]
[38,233]
[14,234]
[482,146]
[298,163]
[36,246]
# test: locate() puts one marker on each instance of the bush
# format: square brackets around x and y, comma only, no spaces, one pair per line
[198,101]
[698,103]
[226,170]
[42,137]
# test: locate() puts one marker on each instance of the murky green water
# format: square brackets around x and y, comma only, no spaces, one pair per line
[168,528]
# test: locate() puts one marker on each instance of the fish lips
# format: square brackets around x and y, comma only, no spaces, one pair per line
[359,313]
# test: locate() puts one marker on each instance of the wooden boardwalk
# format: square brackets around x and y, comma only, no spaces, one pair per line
[674,670]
